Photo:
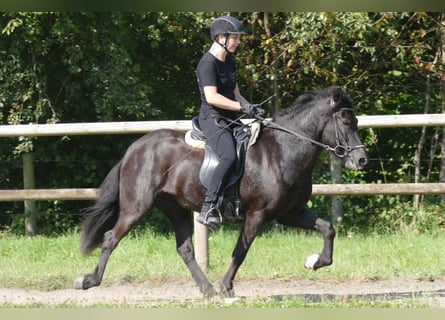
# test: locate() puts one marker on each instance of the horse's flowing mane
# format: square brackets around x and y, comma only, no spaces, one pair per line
[308,100]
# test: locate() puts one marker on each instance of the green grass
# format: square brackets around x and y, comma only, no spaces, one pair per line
[53,263]
[363,257]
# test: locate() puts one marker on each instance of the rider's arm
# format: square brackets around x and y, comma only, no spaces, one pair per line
[218,100]
[239,97]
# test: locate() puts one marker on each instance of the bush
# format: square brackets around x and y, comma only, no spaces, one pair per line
[49,220]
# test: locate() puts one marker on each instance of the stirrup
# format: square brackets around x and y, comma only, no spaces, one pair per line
[211,220]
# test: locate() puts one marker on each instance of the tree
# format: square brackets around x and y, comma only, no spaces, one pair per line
[74,67]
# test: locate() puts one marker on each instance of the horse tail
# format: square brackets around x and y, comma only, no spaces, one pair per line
[103,215]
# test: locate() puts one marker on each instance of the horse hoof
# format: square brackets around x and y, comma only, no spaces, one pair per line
[207,290]
[311,260]
[78,283]
[225,293]
[230,301]
[209,294]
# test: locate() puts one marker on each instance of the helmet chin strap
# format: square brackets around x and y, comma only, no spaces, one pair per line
[225,43]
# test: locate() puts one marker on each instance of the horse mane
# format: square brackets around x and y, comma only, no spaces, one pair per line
[308,100]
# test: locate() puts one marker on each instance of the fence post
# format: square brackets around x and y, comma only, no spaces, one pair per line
[336,173]
[201,244]
[29,183]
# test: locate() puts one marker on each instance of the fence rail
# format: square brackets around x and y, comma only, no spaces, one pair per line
[318,189]
[136,127]
[141,127]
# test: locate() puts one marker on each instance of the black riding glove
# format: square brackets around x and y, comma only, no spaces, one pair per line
[252,110]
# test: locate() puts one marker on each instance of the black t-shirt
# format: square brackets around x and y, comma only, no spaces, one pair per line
[221,74]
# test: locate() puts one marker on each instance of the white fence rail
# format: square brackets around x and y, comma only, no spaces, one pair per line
[141,127]
[317,189]
[136,127]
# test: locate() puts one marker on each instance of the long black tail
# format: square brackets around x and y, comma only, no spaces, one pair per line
[103,215]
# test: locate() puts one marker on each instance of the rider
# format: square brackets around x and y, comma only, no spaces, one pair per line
[221,101]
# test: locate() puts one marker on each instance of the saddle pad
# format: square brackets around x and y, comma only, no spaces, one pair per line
[199,144]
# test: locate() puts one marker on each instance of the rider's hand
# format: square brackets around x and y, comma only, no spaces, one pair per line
[252,110]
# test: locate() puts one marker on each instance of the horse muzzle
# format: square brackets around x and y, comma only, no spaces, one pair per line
[357,158]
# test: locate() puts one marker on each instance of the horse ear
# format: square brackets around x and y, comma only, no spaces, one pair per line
[338,94]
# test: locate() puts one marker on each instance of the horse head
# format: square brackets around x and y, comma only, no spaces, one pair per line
[341,132]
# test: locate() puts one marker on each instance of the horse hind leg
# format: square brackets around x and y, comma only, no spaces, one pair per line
[183,227]
[248,234]
[95,278]
[308,220]
[111,239]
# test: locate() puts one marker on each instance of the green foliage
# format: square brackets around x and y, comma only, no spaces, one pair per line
[121,66]
[402,216]
[51,220]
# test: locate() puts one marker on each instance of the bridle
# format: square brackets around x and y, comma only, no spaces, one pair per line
[340,150]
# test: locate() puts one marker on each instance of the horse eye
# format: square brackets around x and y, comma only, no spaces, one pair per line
[346,123]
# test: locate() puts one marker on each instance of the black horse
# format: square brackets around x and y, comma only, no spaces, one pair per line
[160,170]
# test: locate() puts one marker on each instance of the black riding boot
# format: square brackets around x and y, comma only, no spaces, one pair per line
[210,216]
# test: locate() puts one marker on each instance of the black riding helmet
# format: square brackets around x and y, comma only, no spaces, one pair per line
[226,25]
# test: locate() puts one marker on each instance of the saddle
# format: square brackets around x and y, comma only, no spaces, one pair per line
[229,202]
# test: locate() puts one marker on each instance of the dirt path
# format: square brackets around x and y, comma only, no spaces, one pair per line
[149,293]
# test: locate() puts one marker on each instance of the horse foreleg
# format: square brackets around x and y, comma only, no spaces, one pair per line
[316,261]
[307,220]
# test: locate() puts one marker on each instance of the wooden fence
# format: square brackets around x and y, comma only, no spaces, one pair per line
[141,127]
[92,128]
[318,189]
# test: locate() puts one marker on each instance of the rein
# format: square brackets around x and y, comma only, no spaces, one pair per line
[339,150]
